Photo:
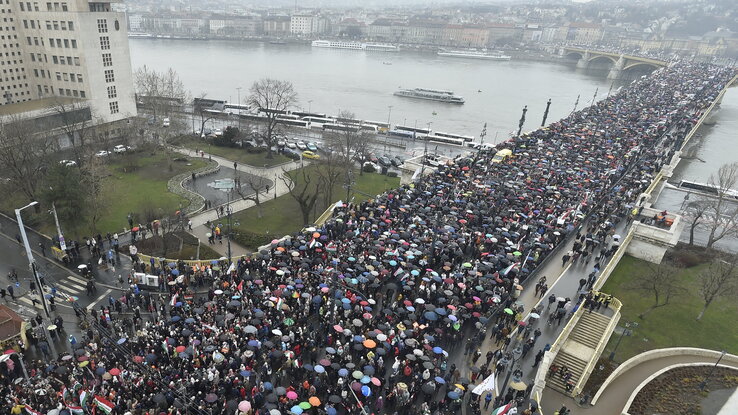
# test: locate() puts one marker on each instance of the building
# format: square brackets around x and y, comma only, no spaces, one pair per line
[236,26]
[307,24]
[276,25]
[74,50]
[585,34]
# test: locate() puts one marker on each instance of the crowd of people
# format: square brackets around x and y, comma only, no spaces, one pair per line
[365,313]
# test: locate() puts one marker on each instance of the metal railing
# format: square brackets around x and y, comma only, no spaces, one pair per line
[707,112]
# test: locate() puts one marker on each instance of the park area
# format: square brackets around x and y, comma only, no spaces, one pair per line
[237,154]
[673,324]
[133,183]
[283,216]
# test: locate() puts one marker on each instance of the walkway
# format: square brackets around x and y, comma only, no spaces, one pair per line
[616,395]
[200,220]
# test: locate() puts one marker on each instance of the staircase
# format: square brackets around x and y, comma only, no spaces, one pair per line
[579,347]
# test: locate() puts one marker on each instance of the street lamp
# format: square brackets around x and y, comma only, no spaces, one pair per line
[389,114]
[310,105]
[704,382]
[517,353]
[32,265]
[239,109]
[625,332]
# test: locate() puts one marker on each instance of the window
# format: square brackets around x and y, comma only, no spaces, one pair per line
[76,61]
[71,25]
[104,43]
[74,43]
[54,59]
[64,7]
[114,107]
[102,25]
[79,77]
[65,76]
[56,25]
[112,93]
[48,25]
[51,42]
[58,76]
[63,25]
[66,43]
[109,76]
[62,60]
[107,59]
[82,94]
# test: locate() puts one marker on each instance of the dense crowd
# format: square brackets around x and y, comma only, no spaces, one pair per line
[368,310]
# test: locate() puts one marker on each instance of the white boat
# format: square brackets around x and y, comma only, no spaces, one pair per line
[473,54]
[431,94]
[369,47]
[140,35]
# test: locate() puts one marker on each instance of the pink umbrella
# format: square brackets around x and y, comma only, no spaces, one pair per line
[244,406]
[338,328]
[291,395]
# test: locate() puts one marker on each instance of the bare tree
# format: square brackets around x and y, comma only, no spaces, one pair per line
[163,93]
[94,172]
[77,123]
[696,214]
[252,188]
[719,280]
[331,170]
[723,211]
[24,153]
[272,97]
[659,282]
[352,144]
[305,189]
[199,109]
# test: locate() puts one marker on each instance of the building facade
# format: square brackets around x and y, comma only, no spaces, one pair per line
[75,49]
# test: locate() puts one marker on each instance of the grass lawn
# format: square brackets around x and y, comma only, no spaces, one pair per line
[136,182]
[235,154]
[282,215]
[674,324]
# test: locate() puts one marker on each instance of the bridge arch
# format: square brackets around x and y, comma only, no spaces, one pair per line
[573,55]
[600,58]
[644,65]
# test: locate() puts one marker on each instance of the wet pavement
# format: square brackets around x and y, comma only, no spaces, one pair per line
[214,187]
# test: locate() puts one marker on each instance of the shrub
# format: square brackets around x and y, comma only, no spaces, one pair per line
[368,168]
[391,174]
[250,239]
[256,150]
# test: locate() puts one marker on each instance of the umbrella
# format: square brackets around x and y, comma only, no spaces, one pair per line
[453,395]
[296,410]
[428,388]
[211,397]
[305,405]
[114,371]
[518,386]
[440,380]
[291,395]
[508,311]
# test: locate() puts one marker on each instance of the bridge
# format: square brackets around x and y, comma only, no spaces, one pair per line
[620,63]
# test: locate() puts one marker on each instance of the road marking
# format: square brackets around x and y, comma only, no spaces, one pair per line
[104,295]
[70,286]
[77,279]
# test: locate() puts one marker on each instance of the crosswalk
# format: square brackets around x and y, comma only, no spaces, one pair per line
[71,285]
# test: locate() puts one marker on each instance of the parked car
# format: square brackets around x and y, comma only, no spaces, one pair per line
[165,122]
[384,161]
[312,147]
[301,145]
[281,143]
[121,148]
[218,132]
[102,153]
[291,145]
[294,155]
[68,163]
[373,158]
[310,155]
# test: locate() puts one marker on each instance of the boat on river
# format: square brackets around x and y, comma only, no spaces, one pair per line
[431,95]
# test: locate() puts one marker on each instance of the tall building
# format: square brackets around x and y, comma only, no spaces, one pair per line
[76,50]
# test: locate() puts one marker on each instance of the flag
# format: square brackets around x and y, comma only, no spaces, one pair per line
[30,411]
[164,346]
[240,286]
[312,243]
[76,410]
[487,384]
[104,404]
[64,393]
[83,395]
[174,300]
[508,269]
[502,410]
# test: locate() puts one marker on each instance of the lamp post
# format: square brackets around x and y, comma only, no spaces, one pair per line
[7,356]
[239,109]
[62,243]
[625,332]
[228,211]
[704,382]
[517,353]
[545,113]
[389,114]
[32,265]
[522,120]
[310,105]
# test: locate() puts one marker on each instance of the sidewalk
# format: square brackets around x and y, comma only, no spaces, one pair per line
[222,248]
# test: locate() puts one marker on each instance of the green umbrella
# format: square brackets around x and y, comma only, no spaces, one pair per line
[467,265]
[305,405]
[457,326]
[517,253]
[357,374]
[508,311]
[288,321]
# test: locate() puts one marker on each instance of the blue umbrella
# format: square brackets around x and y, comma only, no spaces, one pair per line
[317,299]
[410,308]
[319,369]
[175,319]
[245,373]
[365,379]
[440,380]
[453,395]
[296,410]
[253,343]
[172,264]
[330,410]
[345,300]
[189,320]
[343,372]
[122,340]
[441,311]
[431,315]
[175,272]
[100,370]
[330,350]
[437,350]
[268,386]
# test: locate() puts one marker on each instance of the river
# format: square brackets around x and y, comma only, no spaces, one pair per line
[331,80]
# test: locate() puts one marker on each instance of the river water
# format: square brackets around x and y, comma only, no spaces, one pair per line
[331,80]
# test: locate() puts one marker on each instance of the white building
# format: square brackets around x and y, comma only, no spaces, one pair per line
[307,24]
[71,49]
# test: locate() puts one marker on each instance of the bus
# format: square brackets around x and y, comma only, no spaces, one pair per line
[401,134]
[302,114]
[287,117]
[413,129]
[294,123]
[272,110]
[445,140]
[319,120]
[449,135]
[339,127]
[235,109]
[369,128]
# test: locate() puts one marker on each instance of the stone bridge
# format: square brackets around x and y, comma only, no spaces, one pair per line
[620,63]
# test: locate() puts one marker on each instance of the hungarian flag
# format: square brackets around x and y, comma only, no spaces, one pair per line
[104,404]
[174,300]
[76,410]
[508,269]
[240,286]
[503,409]
[65,393]
[30,411]
[312,243]
[83,396]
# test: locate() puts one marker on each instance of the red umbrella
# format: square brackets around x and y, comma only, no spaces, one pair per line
[135,229]
[468,305]
[114,371]
[180,349]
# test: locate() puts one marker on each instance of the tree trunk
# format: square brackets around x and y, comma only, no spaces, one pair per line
[702,313]
[691,235]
